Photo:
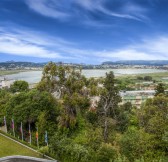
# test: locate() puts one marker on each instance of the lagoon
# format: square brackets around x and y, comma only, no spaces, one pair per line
[35,76]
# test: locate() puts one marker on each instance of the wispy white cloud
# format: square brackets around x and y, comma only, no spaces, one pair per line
[131,54]
[148,49]
[65,10]
[128,11]
[47,8]
[29,43]
[25,42]
[15,46]
[90,4]
[157,45]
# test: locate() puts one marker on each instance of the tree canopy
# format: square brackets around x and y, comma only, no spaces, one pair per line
[85,119]
[19,86]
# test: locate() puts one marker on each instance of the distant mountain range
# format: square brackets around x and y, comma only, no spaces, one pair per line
[137,62]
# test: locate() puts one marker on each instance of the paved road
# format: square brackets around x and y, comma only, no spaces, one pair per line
[24,159]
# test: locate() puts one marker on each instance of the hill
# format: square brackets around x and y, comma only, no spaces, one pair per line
[137,62]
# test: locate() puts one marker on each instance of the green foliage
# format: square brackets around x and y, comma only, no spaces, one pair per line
[136,144]
[61,79]
[106,153]
[34,107]
[44,150]
[26,106]
[92,85]
[48,80]
[108,104]
[153,119]
[160,89]
[147,78]
[4,98]
[67,150]
[125,84]
[124,113]
[73,106]
[140,78]
[92,117]
[19,86]
[77,131]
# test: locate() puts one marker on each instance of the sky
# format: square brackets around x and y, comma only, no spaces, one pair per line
[83,31]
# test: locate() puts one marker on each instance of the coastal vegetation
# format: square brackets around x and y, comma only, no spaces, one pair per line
[140,77]
[8,72]
[16,71]
[81,127]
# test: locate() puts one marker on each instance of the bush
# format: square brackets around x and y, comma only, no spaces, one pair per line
[44,150]
[65,149]
[92,117]
[148,78]
[139,78]
[106,153]
[19,86]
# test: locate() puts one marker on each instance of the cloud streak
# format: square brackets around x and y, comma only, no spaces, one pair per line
[24,42]
[148,49]
[46,8]
[28,43]
[15,46]
[72,9]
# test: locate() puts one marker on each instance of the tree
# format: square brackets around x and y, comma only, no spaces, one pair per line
[33,107]
[19,86]
[124,114]
[48,79]
[67,150]
[61,79]
[159,89]
[148,78]
[106,153]
[153,119]
[139,78]
[4,98]
[136,144]
[73,106]
[69,83]
[108,103]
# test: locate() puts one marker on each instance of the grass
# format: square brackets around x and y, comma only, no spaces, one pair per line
[9,147]
[8,72]
[155,76]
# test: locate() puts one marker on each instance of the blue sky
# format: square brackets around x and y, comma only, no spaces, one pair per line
[83,31]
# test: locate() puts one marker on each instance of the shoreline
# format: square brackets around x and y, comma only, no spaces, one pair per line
[10,72]
[154,75]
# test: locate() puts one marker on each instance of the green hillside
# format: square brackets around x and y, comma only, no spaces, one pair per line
[9,147]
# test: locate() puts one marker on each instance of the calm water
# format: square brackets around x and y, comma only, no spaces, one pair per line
[35,76]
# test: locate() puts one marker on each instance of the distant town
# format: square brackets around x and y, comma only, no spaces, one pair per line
[12,65]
